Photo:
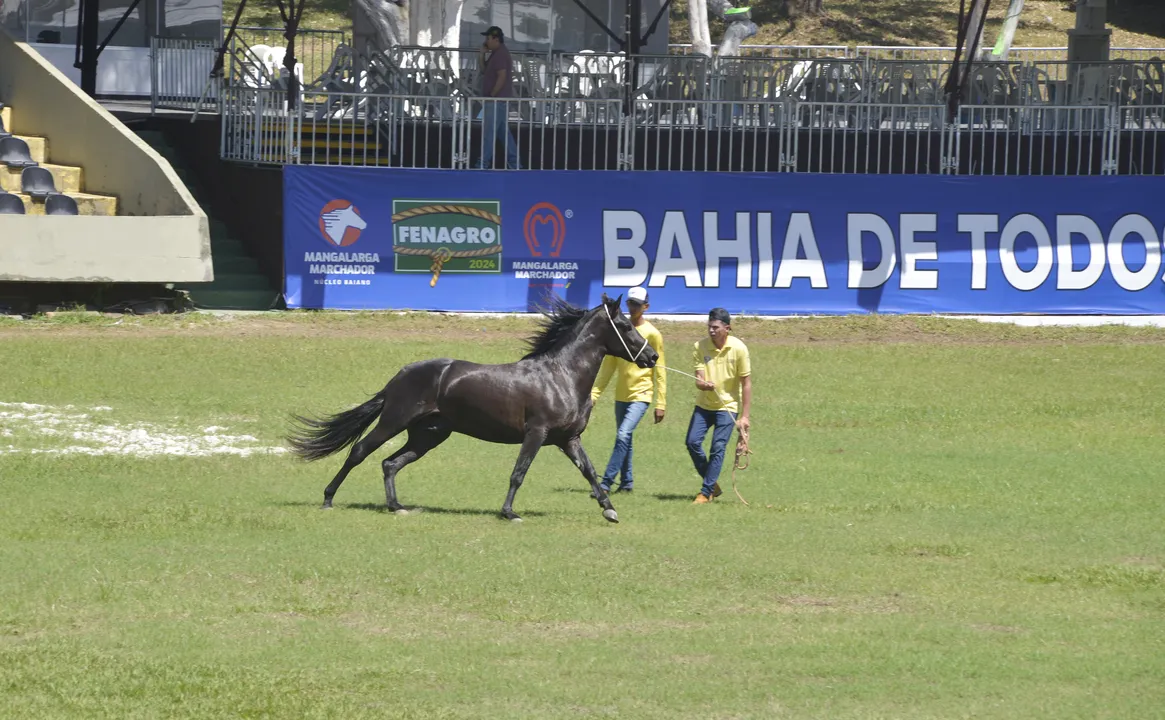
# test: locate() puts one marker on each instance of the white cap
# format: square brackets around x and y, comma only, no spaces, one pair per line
[637,294]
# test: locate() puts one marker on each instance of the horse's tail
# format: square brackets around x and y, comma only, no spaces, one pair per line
[316,439]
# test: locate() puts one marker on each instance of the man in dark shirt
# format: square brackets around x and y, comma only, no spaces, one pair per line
[496,82]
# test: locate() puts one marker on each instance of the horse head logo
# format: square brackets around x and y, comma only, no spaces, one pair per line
[340,223]
[544,213]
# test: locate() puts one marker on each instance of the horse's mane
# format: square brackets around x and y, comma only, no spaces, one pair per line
[558,320]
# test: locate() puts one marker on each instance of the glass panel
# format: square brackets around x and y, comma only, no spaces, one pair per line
[55,22]
[52,21]
[12,18]
[133,33]
[475,18]
[191,19]
[527,24]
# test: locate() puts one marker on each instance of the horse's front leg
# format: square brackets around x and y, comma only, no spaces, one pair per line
[574,450]
[530,445]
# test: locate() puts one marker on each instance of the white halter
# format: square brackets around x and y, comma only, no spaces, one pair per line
[619,335]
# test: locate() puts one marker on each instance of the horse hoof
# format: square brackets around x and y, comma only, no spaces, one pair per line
[516,519]
[400,511]
[326,506]
[611,515]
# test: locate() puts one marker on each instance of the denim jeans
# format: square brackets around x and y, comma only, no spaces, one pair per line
[709,466]
[495,128]
[627,416]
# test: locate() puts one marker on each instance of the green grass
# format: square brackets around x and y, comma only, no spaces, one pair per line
[946,520]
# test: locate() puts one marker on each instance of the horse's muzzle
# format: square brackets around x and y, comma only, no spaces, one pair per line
[648,358]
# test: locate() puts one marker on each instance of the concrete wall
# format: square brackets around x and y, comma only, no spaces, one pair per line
[104,249]
[157,215]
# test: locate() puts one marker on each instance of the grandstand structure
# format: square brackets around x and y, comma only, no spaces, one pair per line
[83,199]
[773,109]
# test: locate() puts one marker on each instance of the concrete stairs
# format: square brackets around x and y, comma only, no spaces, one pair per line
[67,179]
[239,283]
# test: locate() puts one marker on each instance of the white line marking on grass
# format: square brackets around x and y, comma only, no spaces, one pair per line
[48,430]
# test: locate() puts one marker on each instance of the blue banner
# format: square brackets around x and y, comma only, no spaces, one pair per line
[770,244]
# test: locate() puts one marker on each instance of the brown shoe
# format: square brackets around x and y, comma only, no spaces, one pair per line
[716,491]
[701,499]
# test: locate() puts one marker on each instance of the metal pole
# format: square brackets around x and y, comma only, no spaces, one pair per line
[90,17]
[633,39]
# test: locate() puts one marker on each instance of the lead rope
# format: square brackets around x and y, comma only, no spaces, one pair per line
[742,449]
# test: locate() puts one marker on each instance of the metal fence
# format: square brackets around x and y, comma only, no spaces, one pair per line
[803,52]
[314,49]
[913,52]
[441,72]
[180,73]
[885,74]
[422,131]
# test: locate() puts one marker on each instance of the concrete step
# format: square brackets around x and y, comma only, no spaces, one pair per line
[66,177]
[86,204]
[234,264]
[227,249]
[238,281]
[233,299]
[38,147]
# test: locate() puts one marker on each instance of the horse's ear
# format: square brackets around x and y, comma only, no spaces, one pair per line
[606,300]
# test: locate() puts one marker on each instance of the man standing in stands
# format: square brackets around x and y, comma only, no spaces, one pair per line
[496,82]
[723,374]
[632,392]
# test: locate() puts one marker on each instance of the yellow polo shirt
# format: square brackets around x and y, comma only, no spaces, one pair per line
[635,383]
[724,368]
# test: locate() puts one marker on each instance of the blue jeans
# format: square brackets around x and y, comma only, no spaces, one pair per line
[722,423]
[627,416]
[495,128]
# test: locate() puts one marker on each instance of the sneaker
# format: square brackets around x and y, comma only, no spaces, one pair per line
[624,489]
[701,499]
[716,491]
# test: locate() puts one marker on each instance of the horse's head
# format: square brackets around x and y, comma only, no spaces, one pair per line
[621,339]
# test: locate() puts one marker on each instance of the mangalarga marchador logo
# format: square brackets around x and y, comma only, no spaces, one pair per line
[453,236]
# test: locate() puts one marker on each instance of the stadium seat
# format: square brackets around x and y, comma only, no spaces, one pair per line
[14,152]
[37,182]
[10,204]
[60,204]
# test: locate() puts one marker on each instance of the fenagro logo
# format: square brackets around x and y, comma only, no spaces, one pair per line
[340,223]
[538,217]
[452,236]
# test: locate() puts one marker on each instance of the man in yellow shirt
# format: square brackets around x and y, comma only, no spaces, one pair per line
[632,392]
[723,375]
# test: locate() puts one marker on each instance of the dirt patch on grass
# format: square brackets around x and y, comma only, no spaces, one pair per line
[458,329]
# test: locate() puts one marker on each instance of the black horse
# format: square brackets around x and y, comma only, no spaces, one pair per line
[542,399]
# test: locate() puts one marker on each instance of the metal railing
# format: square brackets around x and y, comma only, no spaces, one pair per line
[314,49]
[258,126]
[804,52]
[1002,140]
[789,135]
[180,73]
[444,73]
[913,52]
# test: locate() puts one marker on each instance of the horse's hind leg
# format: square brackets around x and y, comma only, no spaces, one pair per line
[423,437]
[574,450]
[380,434]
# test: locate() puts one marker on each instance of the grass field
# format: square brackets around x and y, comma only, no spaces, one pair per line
[947,520]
